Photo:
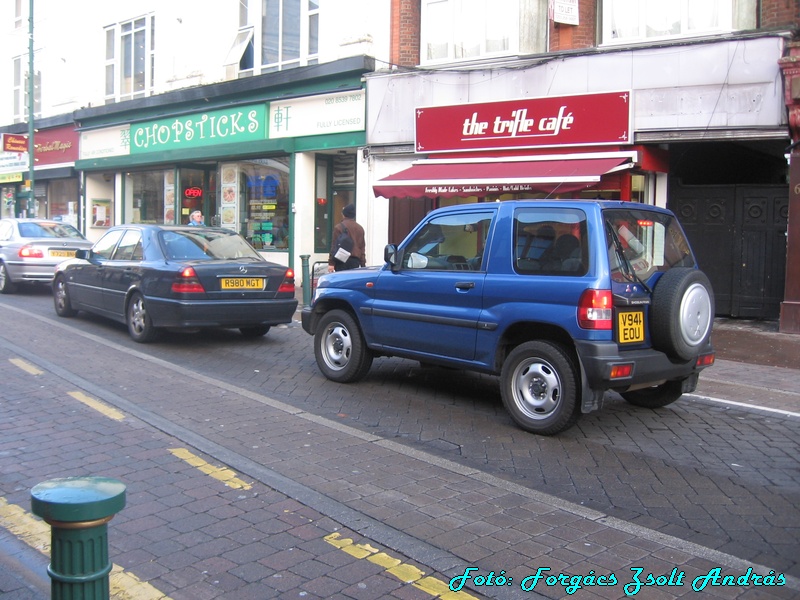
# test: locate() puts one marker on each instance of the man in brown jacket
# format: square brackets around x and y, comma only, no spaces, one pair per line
[356,232]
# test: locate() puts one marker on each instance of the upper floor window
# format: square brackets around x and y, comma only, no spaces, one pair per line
[130,59]
[20,88]
[632,21]
[289,34]
[469,29]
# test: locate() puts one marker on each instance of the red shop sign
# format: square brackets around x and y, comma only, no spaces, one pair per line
[582,120]
[193,192]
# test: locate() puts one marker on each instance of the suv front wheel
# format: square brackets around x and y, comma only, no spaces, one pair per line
[339,347]
[539,387]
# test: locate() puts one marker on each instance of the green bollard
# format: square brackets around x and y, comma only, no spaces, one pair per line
[306,281]
[78,510]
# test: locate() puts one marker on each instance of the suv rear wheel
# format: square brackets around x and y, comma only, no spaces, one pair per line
[539,388]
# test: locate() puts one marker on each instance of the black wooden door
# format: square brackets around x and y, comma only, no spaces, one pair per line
[761,223]
[738,234]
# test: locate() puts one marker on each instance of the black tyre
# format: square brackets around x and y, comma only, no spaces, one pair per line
[140,325]
[656,396]
[339,347]
[682,313]
[539,387]
[6,285]
[61,299]
[254,332]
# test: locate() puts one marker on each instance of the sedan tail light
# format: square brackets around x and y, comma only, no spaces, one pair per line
[188,283]
[30,252]
[287,285]
[595,309]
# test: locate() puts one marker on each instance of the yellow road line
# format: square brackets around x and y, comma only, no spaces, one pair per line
[36,533]
[104,409]
[222,474]
[395,567]
[25,366]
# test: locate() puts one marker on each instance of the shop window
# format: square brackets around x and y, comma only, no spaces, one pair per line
[62,200]
[255,201]
[240,56]
[150,197]
[289,33]
[21,89]
[469,29]
[631,21]
[130,59]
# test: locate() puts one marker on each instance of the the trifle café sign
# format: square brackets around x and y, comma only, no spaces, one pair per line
[581,120]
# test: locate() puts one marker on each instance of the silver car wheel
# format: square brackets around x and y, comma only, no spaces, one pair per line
[337,346]
[536,388]
[138,315]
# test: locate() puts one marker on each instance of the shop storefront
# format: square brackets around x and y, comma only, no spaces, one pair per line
[55,179]
[266,157]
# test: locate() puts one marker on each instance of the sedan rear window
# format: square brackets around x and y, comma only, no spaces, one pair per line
[206,244]
[47,230]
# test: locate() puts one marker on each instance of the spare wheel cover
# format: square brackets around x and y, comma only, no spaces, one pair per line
[682,312]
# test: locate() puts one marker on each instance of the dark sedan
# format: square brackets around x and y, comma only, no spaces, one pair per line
[30,249]
[157,277]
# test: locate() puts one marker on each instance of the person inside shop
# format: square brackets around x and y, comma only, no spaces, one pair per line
[348,227]
[196,219]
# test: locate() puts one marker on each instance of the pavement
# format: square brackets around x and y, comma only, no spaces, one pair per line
[265,500]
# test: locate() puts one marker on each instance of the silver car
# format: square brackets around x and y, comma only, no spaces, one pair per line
[30,249]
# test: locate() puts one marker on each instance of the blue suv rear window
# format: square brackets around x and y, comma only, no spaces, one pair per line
[550,242]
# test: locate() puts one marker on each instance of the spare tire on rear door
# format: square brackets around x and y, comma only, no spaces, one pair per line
[682,312]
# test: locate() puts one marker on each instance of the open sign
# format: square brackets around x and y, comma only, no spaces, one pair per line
[193,192]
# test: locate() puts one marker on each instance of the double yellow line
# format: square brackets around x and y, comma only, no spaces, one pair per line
[395,567]
[126,586]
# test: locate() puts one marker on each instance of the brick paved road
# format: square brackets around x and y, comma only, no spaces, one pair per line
[477,489]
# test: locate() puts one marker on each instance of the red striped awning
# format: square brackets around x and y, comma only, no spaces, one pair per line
[431,179]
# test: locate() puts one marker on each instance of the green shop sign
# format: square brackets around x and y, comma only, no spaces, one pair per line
[212,128]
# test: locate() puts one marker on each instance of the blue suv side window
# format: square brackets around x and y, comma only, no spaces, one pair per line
[450,243]
[548,242]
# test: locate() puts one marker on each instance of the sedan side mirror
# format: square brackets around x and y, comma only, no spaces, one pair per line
[83,253]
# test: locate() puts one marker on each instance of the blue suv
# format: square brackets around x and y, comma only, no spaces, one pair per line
[563,300]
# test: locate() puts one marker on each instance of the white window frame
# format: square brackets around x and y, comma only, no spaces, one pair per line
[307,22]
[19,89]
[626,21]
[117,37]
[18,14]
[451,24]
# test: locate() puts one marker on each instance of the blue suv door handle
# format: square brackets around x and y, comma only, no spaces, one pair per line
[465,285]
